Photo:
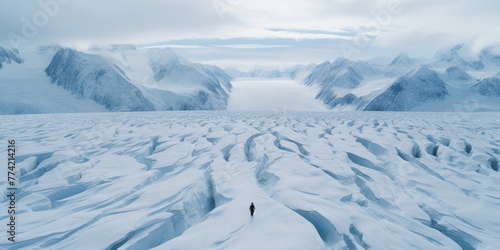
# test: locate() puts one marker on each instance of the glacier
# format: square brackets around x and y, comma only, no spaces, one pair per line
[319,180]
[443,82]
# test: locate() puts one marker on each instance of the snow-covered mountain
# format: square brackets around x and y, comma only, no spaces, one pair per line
[299,72]
[488,87]
[273,94]
[185,180]
[409,84]
[336,74]
[92,77]
[490,55]
[296,72]
[117,78]
[124,78]
[263,72]
[9,56]
[455,56]
[207,87]
[457,74]
[402,60]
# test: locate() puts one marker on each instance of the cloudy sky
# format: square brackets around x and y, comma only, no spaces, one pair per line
[242,33]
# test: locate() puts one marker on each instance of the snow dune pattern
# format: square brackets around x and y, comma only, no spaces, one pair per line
[184,180]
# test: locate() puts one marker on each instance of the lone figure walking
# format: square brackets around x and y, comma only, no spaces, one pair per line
[252,209]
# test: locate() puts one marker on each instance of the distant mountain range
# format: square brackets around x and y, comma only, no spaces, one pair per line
[450,79]
[8,56]
[123,78]
[113,78]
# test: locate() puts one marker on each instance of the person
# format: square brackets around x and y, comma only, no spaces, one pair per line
[252,209]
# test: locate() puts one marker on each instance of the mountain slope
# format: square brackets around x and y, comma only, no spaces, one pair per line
[185,180]
[490,55]
[159,79]
[454,57]
[26,88]
[267,94]
[410,91]
[457,74]
[296,72]
[409,84]
[326,72]
[488,87]
[402,60]
[91,77]
[111,78]
[8,56]
[263,72]
[209,84]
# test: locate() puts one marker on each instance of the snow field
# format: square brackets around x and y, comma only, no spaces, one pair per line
[325,180]
[271,94]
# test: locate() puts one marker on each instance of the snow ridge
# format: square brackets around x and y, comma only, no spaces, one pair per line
[110,78]
[402,60]
[408,84]
[453,56]
[488,87]
[170,69]
[298,72]
[9,56]
[457,74]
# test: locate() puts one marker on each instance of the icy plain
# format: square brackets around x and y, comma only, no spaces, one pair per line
[272,94]
[325,180]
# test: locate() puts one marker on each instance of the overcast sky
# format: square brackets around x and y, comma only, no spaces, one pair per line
[248,32]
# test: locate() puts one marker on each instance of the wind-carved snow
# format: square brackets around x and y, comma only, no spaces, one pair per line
[184,180]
